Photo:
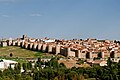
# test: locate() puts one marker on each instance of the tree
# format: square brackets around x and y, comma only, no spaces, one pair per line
[37,76]
[100,55]
[39,63]
[72,75]
[28,78]
[11,54]
[109,62]
[1,73]
[61,65]
[35,66]
[17,68]
[39,60]
[54,62]
[29,65]
[24,66]
[17,77]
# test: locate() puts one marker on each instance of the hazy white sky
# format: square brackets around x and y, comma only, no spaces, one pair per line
[60,18]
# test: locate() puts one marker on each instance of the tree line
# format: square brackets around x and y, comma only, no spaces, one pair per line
[52,70]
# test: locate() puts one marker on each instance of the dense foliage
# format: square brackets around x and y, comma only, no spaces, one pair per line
[53,71]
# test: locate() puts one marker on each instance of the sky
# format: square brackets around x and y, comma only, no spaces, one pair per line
[61,19]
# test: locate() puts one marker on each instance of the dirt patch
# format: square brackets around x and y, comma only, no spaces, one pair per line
[72,63]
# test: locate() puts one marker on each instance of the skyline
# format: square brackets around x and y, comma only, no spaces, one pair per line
[60,18]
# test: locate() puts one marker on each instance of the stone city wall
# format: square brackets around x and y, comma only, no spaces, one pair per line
[55,49]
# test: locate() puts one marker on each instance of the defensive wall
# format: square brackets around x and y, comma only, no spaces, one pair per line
[52,48]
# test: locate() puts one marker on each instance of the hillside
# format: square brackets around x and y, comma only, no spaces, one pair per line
[17,52]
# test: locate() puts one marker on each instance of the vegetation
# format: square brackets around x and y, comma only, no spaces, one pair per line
[14,51]
[54,71]
[80,62]
[38,54]
[20,54]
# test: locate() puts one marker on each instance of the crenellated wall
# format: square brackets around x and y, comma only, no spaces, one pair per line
[31,46]
[23,44]
[44,47]
[26,45]
[50,48]
[79,54]
[18,43]
[57,49]
[39,47]
[13,43]
[35,45]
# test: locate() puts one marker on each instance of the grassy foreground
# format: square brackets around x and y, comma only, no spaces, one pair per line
[17,52]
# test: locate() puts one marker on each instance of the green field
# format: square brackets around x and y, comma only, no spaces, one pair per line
[18,52]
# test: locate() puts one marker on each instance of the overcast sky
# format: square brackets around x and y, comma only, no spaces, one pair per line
[60,18]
